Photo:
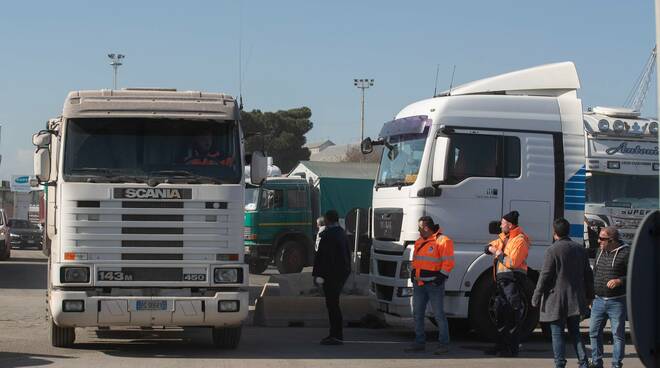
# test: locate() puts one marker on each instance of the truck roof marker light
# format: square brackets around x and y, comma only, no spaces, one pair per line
[653,127]
[226,257]
[618,126]
[613,164]
[603,125]
[73,256]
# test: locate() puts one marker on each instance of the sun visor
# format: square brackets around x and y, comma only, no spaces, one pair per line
[404,126]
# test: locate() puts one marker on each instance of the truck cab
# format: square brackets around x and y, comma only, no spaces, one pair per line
[279,225]
[621,149]
[144,204]
[465,158]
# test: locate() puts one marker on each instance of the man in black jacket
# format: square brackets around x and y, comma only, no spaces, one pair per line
[564,291]
[610,270]
[332,265]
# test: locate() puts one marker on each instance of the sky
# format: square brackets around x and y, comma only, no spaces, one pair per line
[306,53]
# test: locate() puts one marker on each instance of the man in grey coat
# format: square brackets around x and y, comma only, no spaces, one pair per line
[564,291]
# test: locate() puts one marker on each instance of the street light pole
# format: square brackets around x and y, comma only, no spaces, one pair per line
[116,63]
[362,84]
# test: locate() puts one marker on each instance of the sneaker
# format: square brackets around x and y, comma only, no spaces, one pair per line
[442,349]
[415,348]
[331,341]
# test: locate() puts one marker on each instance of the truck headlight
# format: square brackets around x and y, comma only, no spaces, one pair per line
[74,274]
[404,292]
[228,275]
[228,305]
[73,305]
[406,268]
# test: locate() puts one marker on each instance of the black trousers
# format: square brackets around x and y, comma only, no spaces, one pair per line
[332,290]
[509,311]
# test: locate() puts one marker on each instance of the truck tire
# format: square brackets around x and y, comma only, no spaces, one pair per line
[290,257]
[258,266]
[482,314]
[226,337]
[61,337]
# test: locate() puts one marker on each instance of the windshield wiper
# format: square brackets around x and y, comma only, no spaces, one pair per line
[192,177]
[395,183]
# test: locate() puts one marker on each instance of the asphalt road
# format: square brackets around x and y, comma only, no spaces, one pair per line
[24,340]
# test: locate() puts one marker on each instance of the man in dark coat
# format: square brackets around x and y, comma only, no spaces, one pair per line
[332,265]
[564,291]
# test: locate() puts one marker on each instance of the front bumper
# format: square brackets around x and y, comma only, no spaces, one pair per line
[122,310]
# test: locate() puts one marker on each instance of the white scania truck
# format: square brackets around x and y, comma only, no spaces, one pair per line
[622,170]
[466,157]
[145,212]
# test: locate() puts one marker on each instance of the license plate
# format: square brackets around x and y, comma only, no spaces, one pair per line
[151,305]
[30,241]
[383,307]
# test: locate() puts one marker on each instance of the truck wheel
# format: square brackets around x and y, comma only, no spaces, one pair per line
[290,257]
[226,337]
[61,337]
[482,309]
[258,266]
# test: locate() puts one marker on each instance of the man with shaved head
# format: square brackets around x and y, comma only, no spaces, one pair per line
[610,270]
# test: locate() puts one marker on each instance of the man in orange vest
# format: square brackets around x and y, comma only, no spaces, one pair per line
[433,260]
[202,153]
[510,252]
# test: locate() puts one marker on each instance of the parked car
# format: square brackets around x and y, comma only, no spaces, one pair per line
[5,242]
[24,234]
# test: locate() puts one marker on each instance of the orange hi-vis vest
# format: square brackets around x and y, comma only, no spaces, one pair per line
[211,158]
[515,249]
[432,256]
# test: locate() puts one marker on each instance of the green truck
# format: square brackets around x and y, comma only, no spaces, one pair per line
[280,214]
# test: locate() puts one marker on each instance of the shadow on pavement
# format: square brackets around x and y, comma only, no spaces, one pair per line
[23,275]
[11,360]
[291,343]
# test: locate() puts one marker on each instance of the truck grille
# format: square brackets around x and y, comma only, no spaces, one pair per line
[387,223]
[386,268]
[166,231]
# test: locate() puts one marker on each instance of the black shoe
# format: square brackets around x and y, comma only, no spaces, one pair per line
[331,341]
[507,353]
[493,350]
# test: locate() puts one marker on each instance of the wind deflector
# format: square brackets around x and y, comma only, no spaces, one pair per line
[409,125]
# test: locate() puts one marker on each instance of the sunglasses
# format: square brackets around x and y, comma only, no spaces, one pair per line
[603,239]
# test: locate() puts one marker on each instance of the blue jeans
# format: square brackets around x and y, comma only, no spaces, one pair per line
[422,295]
[559,346]
[601,310]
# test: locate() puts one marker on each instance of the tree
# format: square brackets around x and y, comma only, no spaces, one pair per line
[280,134]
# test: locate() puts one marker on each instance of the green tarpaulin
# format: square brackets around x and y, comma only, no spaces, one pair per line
[343,194]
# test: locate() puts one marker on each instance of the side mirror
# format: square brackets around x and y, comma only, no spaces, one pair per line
[41,139]
[42,165]
[494,227]
[366,146]
[258,168]
[440,160]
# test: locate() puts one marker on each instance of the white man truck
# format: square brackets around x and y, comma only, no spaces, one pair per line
[145,212]
[622,171]
[465,158]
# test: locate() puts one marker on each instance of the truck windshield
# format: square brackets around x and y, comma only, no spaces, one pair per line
[632,191]
[135,149]
[400,162]
[251,196]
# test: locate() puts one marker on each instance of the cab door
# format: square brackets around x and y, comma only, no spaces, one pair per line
[472,192]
